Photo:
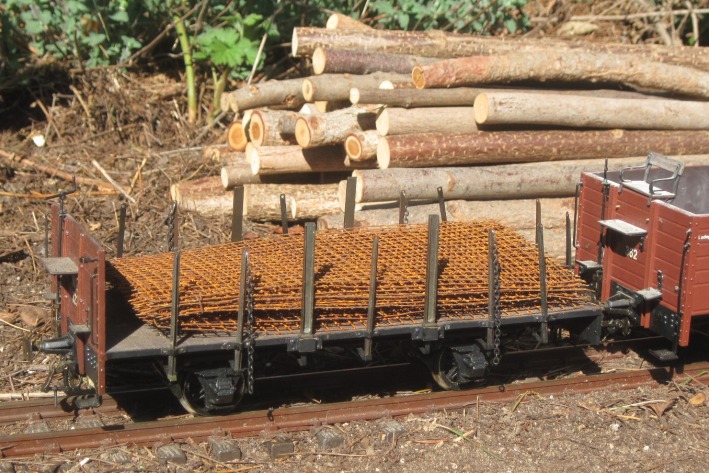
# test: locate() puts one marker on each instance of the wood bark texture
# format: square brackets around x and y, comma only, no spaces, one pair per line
[336,87]
[563,66]
[438,149]
[237,174]
[513,181]
[354,61]
[303,201]
[464,96]
[440,44]
[283,93]
[266,127]
[294,159]
[403,121]
[362,146]
[333,127]
[206,196]
[261,201]
[413,98]
[499,108]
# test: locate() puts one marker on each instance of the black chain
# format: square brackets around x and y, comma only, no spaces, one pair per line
[497,315]
[249,329]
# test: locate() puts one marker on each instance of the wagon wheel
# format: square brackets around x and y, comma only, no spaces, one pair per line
[445,370]
[193,398]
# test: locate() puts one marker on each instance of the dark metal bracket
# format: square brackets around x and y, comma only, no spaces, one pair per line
[306,341]
[237,214]
[174,323]
[350,195]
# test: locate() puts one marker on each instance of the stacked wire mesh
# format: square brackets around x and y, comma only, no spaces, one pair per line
[210,279]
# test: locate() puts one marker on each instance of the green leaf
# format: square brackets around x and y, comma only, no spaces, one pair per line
[94,39]
[120,17]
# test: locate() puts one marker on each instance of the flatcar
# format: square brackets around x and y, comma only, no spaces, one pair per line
[208,322]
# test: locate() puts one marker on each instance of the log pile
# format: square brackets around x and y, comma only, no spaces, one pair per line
[481,118]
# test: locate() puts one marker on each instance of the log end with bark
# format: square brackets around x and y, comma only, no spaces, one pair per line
[303,135]
[362,146]
[319,61]
[338,21]
[418,77]
[383,153]
[236,136]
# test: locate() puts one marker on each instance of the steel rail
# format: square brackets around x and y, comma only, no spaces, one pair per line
[303,418]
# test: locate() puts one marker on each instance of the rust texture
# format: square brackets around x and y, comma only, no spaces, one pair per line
[209,279]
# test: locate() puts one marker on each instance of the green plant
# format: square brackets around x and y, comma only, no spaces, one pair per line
[230,50]
[466,16]
[90,32]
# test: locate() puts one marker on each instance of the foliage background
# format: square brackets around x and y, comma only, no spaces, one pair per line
[222,37]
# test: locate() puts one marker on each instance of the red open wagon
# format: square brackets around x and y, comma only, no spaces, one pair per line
[643,235]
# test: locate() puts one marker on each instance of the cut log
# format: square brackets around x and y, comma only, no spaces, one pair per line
[362,146]
[563,66]
[509,181]
[448,45]
[238,174]
[336,87]
[402,121]
[333,127]
[338,21]
[283,93]
[303,201]
[353,61]
[236,136]
[266,127]
[412,98]
[205,196]
[495,108]
[261,201]
[518,215]
[234,158]
[465,96]
[294,159]
[438,149]
[215,152]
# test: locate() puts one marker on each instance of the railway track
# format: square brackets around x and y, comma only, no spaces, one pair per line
[567,357]
[302,418]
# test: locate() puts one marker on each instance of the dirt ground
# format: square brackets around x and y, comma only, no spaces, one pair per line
[133,126]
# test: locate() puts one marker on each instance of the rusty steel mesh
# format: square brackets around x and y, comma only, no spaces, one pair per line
[209,279]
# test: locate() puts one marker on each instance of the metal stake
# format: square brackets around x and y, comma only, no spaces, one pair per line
[431,272]
[371,306]
[306,342]
[242,311]
[537,219]
[350,194]
[121,230]
[403,209]
[569,261]
[237,214]
[284,215]
[442,204]
[543,285]
[174,313]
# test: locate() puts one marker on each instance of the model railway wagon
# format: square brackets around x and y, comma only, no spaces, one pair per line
[210,321]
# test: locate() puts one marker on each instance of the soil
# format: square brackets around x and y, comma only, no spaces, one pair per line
[133,125]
